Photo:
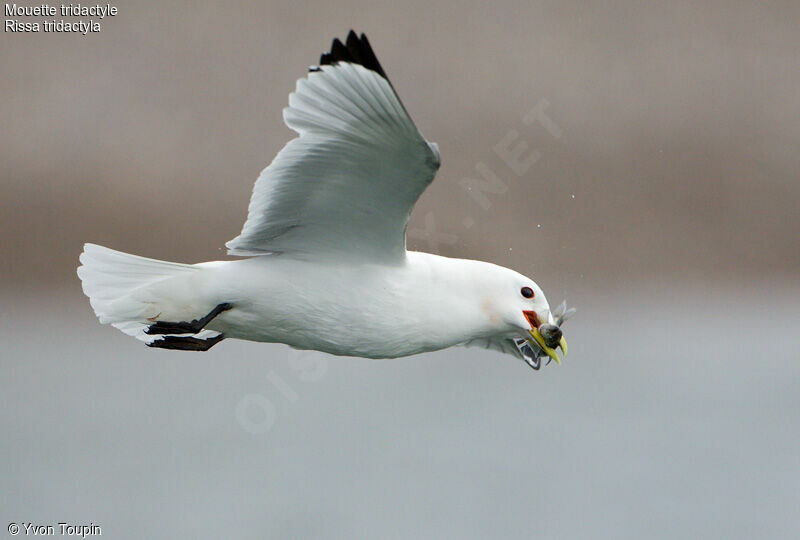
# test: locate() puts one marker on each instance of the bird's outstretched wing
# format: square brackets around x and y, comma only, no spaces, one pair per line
[519,348]
[346,186]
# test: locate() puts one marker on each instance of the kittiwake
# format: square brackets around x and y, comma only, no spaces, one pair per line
[325,239]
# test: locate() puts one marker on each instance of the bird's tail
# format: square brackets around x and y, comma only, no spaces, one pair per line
[115,283]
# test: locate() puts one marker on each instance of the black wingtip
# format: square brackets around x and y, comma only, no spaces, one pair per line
[355,50]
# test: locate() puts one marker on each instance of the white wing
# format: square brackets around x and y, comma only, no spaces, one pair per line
[346,186]
[515,347]
[503,345]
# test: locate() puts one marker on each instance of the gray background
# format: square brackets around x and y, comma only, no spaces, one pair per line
[675,414]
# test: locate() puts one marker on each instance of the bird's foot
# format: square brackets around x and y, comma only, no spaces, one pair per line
[186,343]
[184,327]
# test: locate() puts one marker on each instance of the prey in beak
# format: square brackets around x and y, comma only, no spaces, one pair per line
[548,337]
[545,338]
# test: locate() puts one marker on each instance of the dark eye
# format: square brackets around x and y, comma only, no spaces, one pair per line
[527,292]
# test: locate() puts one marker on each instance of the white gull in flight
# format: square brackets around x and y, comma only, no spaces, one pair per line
[327,265]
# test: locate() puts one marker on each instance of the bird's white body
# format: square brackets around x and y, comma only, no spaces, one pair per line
[423,304]
[325,232]
[397,310]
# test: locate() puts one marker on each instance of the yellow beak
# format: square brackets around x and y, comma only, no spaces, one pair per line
[537,337]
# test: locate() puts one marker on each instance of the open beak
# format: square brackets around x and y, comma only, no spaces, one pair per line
[540,340]
[562,344]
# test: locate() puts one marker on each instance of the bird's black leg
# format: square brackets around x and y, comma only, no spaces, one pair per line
[183,327]
[186,343]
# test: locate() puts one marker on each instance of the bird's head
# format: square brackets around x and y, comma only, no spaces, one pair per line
[528,313]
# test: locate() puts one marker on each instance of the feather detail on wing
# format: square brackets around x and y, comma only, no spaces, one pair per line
[503,345]
[519,348]
[346,186]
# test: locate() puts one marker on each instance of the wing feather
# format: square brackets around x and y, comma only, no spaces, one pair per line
[345,187]
[500,344]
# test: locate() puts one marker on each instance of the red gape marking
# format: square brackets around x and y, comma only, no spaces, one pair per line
[533,319]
